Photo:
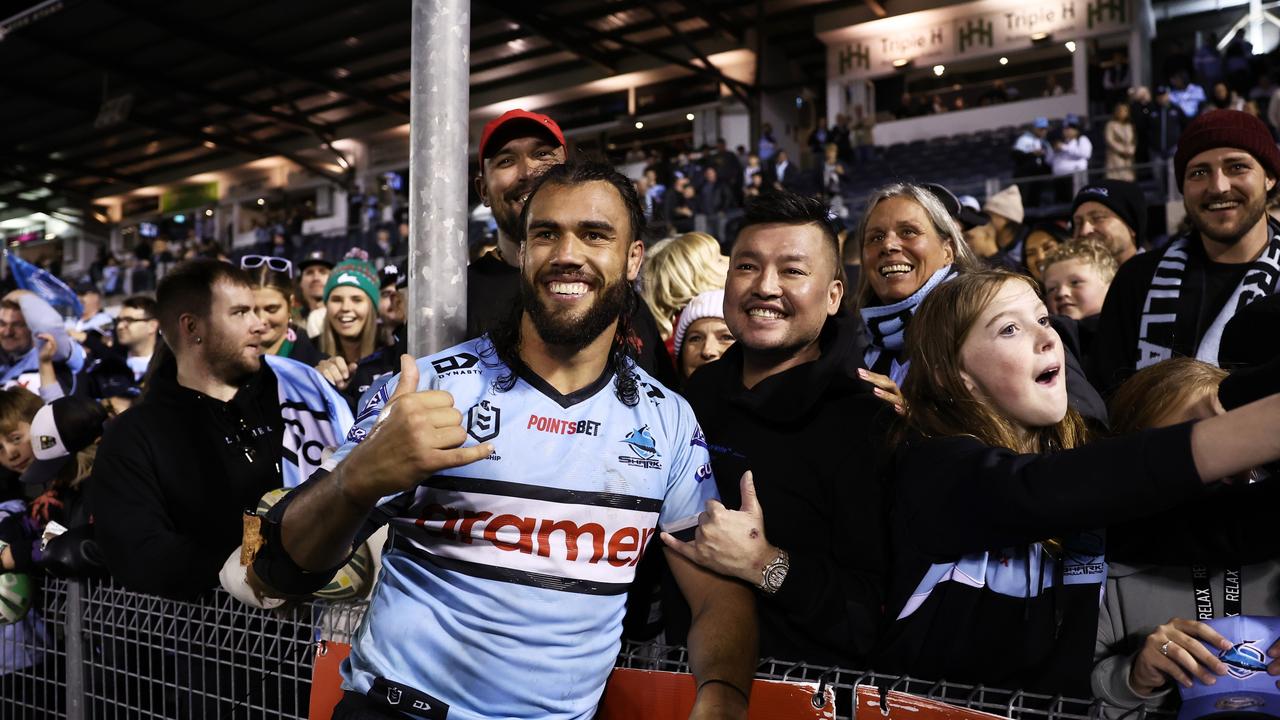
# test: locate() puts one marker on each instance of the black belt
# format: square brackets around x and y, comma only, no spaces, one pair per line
[392,695]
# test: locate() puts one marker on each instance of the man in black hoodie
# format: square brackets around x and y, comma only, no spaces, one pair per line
[175,473]
[785,403]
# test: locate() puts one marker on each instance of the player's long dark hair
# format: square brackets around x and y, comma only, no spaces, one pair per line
[504,340]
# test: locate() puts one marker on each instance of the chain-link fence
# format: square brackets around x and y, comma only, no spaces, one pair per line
[89,649]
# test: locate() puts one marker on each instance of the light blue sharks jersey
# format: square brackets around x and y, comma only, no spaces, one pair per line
[503,588]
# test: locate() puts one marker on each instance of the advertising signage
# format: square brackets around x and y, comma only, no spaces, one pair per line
[986,27]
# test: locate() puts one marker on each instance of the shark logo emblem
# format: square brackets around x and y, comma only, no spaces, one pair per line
[644,449]
[1243,659]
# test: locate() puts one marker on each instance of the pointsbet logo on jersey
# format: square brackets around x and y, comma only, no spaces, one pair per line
[643,448]
[556,426]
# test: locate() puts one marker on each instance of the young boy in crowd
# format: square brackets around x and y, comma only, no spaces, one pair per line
[1076,277]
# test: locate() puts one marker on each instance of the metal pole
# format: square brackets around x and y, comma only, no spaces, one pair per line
[74,638]
[439,110]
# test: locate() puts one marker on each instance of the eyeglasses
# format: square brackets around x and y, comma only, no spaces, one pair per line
[278,264]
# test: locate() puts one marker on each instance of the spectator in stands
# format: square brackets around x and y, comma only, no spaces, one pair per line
[1186,95]
[1122,143]
[1222,98]
[1147,642]
[1273,108]
[1113,213]
[993,484]
[841,135]
[937,106]
[756,187]
[1070,155]
[1235,61]
[729,166]
[715,196]
[679,207]
[136,332]
[17,407]
[1006,228]
[793,374]
[1031,159]
[768,145]
[818,138]
[1206,61]
[93,318]
[1076,277]
[1043,238]
[1052,88]
[315,269]
[582,354]
[1116,79]
[834,173]
[1176,302]
[677,271]
[752,169]
[996,95]
[910,245]
[1164,127]
[220,425]
[351,318]
[393,281]
[861,136]
[655,191]
[688,168]
[515,149]
[701,336]
[780,173]
[1141,106]
[384,246]
[272,282]
[24,319]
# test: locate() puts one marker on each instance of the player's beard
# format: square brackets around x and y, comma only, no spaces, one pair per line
[570,332]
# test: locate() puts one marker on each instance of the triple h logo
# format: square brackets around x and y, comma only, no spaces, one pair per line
[855,55]
[1113,10]
[975,32]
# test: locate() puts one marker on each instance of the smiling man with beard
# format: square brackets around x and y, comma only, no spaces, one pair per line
[1176,303]
[524,474]
[174,474]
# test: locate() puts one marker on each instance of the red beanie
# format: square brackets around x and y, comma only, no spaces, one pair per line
[1226,128]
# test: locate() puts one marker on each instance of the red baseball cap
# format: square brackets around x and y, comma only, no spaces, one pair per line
[517,117]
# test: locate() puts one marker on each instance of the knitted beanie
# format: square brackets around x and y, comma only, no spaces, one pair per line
[1125,199]
[1007,203]
[703,305]
[1226,129]
[354,272]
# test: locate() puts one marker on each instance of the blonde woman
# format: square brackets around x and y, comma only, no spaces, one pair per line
[1122,143]
[676,271]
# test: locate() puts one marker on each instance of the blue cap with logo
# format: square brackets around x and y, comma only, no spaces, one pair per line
[1246,689]
[1041,123]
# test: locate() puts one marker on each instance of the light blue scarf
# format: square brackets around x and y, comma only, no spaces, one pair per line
[887,328]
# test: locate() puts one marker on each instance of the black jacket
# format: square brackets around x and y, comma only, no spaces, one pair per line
[993,620]
[172,480]
[808,435]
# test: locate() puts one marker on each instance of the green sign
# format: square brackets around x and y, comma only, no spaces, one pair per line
[191,196]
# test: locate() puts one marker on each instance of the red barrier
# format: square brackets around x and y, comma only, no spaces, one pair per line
[326,682]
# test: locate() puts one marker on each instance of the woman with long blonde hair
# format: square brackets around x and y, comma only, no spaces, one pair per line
[998,567]
[678,270]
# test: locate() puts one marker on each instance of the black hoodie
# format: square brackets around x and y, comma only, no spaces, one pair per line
[808,434]
[173,477]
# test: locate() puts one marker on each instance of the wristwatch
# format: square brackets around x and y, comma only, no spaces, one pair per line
[773,575]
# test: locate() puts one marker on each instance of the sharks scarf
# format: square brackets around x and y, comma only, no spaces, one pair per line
[887,325]
[315,418]
[1170,316]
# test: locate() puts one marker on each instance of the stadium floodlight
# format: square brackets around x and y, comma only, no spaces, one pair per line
[1071,46]
[901,63]
[939,69]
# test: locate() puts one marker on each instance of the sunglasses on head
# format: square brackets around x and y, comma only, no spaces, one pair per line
[278,264]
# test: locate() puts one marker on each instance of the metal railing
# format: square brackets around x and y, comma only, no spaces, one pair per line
[89,649]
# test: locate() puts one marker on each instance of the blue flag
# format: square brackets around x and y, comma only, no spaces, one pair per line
[46,285]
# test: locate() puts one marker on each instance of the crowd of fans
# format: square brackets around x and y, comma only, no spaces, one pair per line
[935,438]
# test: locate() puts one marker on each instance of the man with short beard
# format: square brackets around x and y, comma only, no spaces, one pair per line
[515,149]
[174,474]
[491,460]
[1112,212]
[1176,303]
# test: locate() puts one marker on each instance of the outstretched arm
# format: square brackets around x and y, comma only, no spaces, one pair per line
[722,638]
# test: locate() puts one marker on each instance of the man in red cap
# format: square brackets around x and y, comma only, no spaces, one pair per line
[515,149]
[1177,302]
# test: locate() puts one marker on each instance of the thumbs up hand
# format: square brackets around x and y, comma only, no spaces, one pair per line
[730,542]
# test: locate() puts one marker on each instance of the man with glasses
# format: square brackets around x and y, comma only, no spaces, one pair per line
[136,330]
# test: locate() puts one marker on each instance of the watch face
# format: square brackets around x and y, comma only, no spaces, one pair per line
[775,574]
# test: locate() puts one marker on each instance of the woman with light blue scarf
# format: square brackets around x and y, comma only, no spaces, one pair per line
[910,245]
